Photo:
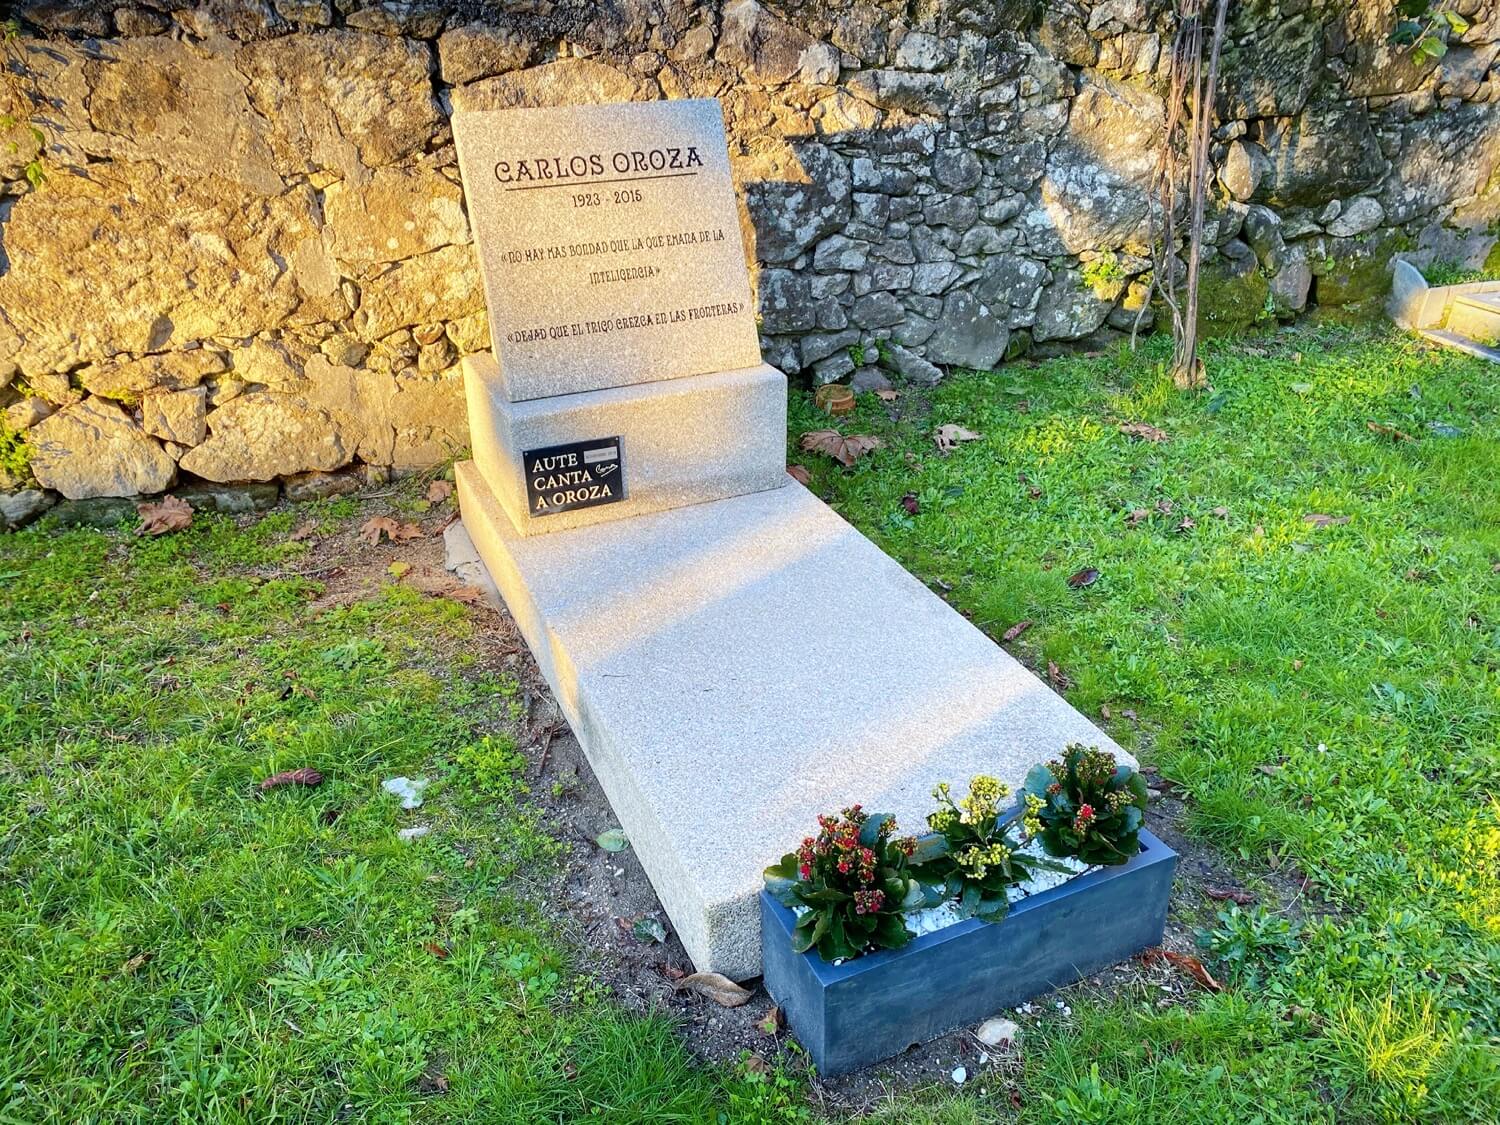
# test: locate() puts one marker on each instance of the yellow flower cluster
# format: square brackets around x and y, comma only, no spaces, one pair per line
[983,801]
[977,859]
[1031,821]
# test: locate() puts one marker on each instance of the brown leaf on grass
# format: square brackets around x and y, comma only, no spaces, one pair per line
[136,963]
[1015,631]
[886,394]
[1142,431]
[306,776]
[844,449]
[439,490]
[164,515]
[1137,517]
[1165,506]
[1193,967]
[1221,511]
[1059,680]
[756,1065]
[1230,894]
[372,529]
[948,437]
[771,1022]
[1186,524]
[1382,430]
[304,531]
[438,951]
[911,504]
[468,595]
[1318,519]
[717,987]
[1085,577]
[799,474]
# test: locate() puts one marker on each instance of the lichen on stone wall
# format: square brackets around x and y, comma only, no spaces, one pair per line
[250,258]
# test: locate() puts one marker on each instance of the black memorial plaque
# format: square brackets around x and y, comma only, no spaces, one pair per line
[581,474]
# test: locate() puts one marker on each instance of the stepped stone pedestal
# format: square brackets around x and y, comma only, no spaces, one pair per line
[733,657]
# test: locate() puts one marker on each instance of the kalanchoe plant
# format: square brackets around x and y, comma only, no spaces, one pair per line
[1092,806]
[976,857]
[852,878]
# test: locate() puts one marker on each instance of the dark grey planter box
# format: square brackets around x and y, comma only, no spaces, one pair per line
[850,1015]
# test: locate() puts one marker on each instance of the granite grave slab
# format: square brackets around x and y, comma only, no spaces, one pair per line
[733,668]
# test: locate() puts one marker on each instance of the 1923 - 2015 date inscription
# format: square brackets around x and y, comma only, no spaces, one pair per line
[599,198]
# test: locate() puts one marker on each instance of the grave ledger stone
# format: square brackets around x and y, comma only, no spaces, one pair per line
[733,657]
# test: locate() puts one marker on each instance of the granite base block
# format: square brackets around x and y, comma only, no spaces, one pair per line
[732,669]
[684,441]
[851,1015]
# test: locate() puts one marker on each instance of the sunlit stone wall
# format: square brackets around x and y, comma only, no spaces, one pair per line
[249,260]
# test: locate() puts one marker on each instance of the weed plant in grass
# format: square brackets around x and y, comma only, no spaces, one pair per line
[1327,697]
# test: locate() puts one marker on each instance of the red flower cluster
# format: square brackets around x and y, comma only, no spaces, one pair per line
[868,902]
[836,850]
[1084,818]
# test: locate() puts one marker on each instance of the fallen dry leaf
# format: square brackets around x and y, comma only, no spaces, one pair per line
[1142,431]
[438,951]
[1057,678]
[1187,524]
[717,987]
[468,595]
[771,1022]
[1221,511]
[439,490]
[947,437]
[166,514]
[136,963]
[757,1065]
[1382,430]
[911,504]
[1165,506]
[1015,631]
[372,529]
[885,394]
[799,474]
[305,531]
[1318,519]
[1085,577]
[1230,894]
[1137,517]
[305,776]
[844,449]
[1193,967]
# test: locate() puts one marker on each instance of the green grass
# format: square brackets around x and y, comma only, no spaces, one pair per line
[174,947]
[1328,697]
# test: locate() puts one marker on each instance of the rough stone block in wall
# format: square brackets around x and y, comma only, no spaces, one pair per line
[250,256]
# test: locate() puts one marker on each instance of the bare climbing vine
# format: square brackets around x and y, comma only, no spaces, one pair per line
[1189,127]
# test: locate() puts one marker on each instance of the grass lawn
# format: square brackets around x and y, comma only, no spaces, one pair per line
[175,946]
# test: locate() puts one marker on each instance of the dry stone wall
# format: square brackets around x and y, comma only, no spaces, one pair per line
[250,261]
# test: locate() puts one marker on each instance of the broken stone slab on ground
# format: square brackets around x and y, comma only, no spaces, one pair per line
[734,668]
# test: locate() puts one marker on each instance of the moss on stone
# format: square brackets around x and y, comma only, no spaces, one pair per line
[1359,268]
[1232,297]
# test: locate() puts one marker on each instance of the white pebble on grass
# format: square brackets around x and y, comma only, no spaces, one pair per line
[960,1075]
[409,789]
[416,831]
